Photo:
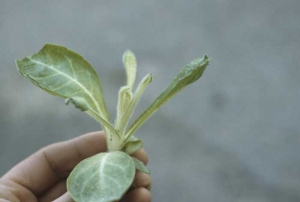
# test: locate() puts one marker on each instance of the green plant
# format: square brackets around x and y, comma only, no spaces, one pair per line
[106,176]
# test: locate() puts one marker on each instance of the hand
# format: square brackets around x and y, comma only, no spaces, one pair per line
[42,176]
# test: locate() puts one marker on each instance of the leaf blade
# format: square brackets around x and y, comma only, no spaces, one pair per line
[64,73]
[189,74]
[101,178]
[139,165]
[132,145]
[129,62]
[123,121]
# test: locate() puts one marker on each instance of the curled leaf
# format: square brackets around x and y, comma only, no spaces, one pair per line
[132,145]
[78,102]
[135,99]
[124,99]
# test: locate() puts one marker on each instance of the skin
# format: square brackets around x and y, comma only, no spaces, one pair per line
[42,176]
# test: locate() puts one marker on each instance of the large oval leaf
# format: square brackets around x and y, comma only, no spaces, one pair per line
[64,73]
[104,177]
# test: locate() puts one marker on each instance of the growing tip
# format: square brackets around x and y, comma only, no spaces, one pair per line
[147,79]
[129,56]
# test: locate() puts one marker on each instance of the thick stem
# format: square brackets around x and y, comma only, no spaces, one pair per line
[114,144]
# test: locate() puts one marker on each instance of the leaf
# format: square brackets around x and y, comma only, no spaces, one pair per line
[104,177]
[189,74]
[64,73]
[78,102]
[139,165]
[125,97]
[124,100]
[136,97]
[129,62]
[132,145]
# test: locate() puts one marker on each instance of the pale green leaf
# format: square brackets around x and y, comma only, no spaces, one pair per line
[136,97]
[64,73]
[104,177]
[124,100]
[132,145]
[189,74]
[140,166]
[78,102]
[129,62]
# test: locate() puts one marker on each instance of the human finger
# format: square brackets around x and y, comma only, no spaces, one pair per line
[64,198]
[137,195]
[54,192]
[49,165]
[141,155]
[142,180]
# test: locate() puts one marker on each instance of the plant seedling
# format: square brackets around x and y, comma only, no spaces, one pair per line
[104,177]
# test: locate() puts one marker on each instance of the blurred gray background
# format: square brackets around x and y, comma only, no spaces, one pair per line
[231,136]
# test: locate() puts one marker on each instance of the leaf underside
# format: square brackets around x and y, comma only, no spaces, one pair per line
[104,177]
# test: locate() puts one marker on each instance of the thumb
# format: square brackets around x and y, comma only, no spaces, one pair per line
[64,198]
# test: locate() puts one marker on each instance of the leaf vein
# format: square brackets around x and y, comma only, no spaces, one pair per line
[60,86]
[75,81]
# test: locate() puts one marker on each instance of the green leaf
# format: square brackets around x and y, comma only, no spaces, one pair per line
[125,97]
[140,166]
[104,177]
[64,73]
[189,74]
[132,145]
[136,97]
[129,62]
[124,100]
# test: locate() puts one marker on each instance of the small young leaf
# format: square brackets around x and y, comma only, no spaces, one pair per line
[189,74]
[129,62]
[124,99]
[78,102]
[136,97]
[132,145]
[140,166]
[104,177]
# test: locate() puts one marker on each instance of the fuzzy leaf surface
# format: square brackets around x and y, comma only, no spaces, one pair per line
[62,72]
[104,177]
[139,165]
[133,145]
[129,62]
[189,74]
